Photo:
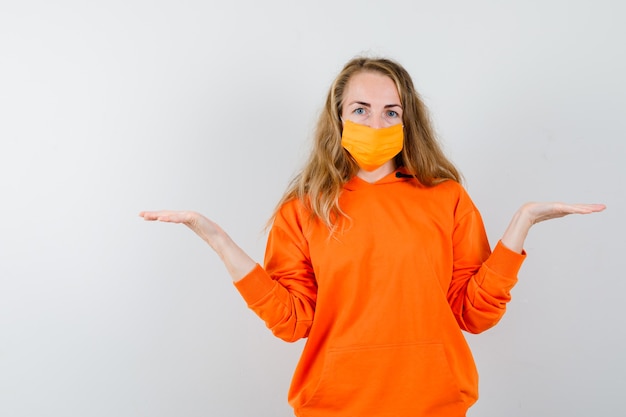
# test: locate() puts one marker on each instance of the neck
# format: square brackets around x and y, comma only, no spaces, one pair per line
[378,173]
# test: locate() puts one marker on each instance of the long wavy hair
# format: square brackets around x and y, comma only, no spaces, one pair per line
[330,166]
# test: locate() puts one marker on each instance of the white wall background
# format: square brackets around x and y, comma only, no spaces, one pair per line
[111,107]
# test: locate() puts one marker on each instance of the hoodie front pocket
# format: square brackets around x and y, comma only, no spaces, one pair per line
[388,380]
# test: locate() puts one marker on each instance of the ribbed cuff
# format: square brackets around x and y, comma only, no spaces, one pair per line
[505,262]
[255,285]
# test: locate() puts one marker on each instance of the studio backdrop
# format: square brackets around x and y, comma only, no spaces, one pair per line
[108,108]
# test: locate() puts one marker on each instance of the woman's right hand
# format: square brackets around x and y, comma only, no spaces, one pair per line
[237,262]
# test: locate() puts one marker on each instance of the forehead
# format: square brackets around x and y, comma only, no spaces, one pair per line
[371,87]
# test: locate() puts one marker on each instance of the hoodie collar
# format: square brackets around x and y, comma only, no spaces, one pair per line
[399,175]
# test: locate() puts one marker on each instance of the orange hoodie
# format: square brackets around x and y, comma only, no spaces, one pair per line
[383,302]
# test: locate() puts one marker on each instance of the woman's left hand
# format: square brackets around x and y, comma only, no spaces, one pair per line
[538,212]
[533,213]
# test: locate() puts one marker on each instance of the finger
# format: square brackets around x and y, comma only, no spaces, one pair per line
[594,208]
[163,216]
[148,215]
[171,218]
[585,208]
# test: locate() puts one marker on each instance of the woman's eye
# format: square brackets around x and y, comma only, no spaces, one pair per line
[392,113]
[360,111]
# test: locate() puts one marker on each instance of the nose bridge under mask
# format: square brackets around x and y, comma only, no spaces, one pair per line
[370,147]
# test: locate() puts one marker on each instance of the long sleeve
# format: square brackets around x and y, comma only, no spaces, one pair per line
[481,279]
[283,294]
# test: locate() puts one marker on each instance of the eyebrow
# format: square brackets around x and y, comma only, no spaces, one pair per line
[362,103]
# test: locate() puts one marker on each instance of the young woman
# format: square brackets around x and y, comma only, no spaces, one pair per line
[379,258]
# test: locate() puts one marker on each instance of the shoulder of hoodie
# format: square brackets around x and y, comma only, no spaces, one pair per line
[445,187]
[459,195]
[291,212]
[450,193]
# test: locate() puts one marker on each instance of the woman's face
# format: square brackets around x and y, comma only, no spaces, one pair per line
[372,99]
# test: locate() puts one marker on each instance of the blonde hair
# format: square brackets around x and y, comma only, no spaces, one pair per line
[329,166]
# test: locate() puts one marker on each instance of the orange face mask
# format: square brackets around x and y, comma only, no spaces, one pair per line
[370,147]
